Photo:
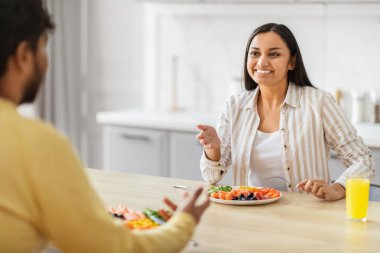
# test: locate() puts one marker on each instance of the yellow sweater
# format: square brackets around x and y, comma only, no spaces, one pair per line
[45,196]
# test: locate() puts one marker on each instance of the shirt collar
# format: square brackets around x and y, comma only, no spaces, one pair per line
[251,100]
[292,95]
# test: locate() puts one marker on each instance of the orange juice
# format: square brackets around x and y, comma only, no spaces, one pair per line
[357,194]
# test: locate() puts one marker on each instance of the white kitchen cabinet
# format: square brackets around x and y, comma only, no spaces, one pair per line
[154,152]
[159,143]
[134,150]
[185,154]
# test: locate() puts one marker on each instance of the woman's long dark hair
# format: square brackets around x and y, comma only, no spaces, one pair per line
[298,75]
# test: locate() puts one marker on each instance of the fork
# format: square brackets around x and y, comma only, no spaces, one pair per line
[194,243]
[184,187]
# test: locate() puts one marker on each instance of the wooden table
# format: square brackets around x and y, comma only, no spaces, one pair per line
[295,223]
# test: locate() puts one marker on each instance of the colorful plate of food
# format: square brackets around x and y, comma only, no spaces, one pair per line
[243,195]
[147,219]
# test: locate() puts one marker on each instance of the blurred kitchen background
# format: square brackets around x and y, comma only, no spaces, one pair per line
[130,79]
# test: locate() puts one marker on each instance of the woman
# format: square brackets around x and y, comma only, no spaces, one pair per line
[279,132]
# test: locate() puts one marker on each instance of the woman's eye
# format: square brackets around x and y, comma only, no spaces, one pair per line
[253,53]
[274,54]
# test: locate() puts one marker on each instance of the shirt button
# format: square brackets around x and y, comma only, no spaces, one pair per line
[282,129]
[284,146]
[288,168]
[289,185]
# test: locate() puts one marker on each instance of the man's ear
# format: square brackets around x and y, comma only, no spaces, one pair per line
[292,63]
[23,57]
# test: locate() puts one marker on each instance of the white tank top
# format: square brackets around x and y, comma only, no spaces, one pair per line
[267,162]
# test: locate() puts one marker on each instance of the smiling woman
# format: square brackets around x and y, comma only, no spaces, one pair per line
[282,126]
[279,43]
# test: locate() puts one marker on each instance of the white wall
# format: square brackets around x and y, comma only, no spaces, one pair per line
[114,78]
[211,53]
[339,44]
[352,56]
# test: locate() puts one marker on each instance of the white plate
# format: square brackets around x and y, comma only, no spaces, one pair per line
[245,202]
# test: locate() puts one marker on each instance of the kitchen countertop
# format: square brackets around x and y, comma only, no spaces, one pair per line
[163,120]
[187,121]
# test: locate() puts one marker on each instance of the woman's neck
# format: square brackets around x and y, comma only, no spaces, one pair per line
[272,97]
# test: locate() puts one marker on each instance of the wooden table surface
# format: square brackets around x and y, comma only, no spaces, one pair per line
[295,223]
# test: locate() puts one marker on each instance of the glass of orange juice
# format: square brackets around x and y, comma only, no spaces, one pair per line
[357,195]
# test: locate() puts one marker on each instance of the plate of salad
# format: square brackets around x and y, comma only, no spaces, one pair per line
[147,219]
[243,195]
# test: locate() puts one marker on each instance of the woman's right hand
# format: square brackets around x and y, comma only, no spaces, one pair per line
[208,137]
[210,141]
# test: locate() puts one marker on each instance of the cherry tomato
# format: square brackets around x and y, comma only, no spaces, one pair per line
[229,196]
[222,194]
[215,195]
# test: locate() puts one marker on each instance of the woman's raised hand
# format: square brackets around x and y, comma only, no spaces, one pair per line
[210,141]
[208,137]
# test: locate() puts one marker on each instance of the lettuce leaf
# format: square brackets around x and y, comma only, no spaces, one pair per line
[225,188]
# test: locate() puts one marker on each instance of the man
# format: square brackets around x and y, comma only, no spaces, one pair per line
[44,193]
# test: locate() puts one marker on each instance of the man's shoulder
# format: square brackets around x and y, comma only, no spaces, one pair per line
[38,131]
[31,138]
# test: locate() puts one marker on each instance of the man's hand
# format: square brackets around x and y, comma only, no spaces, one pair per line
[188,204]
[321,189]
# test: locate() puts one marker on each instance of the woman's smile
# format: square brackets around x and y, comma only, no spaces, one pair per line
[263,72]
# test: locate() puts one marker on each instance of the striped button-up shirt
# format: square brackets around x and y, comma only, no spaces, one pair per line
[311,124]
